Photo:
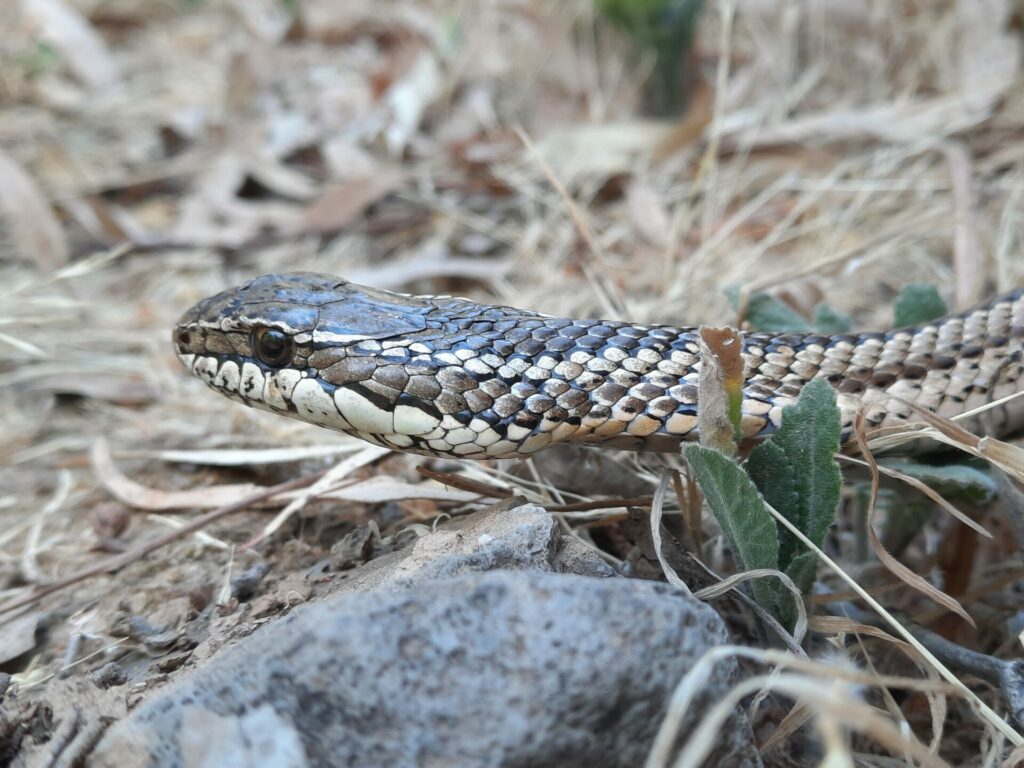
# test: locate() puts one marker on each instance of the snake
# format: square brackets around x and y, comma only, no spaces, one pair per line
[451,377]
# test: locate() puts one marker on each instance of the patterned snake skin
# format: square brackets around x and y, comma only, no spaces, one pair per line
[449,377]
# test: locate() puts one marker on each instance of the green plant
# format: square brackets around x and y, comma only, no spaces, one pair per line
[795,471]
[665,30]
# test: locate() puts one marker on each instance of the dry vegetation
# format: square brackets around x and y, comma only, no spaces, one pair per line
[154,153]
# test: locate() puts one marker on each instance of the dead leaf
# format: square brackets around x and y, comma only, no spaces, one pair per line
[341,204]
[29,217]
[139,496]
[720,384]
[79,45]
[382,488]
[110,386]
[18,636]
[237,457]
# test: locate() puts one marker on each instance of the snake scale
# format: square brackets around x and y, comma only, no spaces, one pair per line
[444,376]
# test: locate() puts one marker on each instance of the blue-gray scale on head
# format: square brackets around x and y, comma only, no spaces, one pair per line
[440,375]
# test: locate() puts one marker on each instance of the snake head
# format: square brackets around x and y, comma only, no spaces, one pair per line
[284,342]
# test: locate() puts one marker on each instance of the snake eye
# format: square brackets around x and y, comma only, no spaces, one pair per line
[273,347]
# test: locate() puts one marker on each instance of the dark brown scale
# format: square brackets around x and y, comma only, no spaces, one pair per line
[456,379]
[449,402]
[574,398]
[494,387]
[219,345]
[394,376]
[349,370]
[661,407]
[684,393]
[526,419]
[851,386]
[609,393]
[425,387]
[523,390]
[507,405]
[478,400]
[539,403]
[914,372]
[632,405]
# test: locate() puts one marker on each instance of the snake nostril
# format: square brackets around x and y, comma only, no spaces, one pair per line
[183,338]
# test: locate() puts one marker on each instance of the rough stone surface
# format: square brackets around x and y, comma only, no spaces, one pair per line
[510,535]
[494,669]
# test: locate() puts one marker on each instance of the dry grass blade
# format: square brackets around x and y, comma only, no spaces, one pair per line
[731,582]
[330,479]
[1006,456]
[894,566]
[927,490]
[153,500]
[30,568]
[656,512]
[840,624]
[238,457]
[834,700]
[968,254]
[456,480]
[982,708]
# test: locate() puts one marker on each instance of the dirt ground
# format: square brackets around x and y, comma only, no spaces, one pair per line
[152,154]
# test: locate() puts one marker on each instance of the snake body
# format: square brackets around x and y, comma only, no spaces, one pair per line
[445,376]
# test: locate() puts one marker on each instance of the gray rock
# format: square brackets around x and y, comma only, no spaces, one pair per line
[510,535]
[494,669]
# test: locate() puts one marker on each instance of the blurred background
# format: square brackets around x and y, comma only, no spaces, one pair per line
[636,159]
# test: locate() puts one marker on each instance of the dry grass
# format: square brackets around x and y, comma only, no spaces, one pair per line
[841,150]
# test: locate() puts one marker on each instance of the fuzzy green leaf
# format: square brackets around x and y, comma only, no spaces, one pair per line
[740,511]
[955,481]
[772,473]
[827,320]
[918,303]
[767,313]
[796,471]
